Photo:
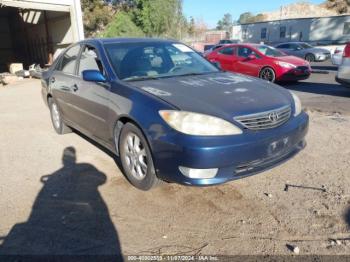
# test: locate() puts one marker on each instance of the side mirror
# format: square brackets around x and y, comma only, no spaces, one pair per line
[251,57]
[93,76]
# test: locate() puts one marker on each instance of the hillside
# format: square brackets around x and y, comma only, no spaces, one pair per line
[300,10]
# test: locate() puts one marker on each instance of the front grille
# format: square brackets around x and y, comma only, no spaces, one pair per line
[265,120]
[302,68]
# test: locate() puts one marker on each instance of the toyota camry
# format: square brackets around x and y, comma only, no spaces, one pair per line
[169,114]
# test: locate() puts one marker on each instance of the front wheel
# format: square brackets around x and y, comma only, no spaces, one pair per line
[268,74]
[310,58]
[136,158]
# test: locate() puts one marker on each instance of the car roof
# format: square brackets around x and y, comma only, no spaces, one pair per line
[127,40]
[291,43]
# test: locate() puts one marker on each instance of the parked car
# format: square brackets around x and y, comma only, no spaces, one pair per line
[337,57]
[178,121]
[228,41]
[211,49]
[305,51]
[343,75]
[261,61]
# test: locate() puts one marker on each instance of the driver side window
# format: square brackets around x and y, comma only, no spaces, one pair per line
[246,52]
[90,60]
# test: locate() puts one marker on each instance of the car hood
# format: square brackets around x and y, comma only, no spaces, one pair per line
[292,60]
[219,94]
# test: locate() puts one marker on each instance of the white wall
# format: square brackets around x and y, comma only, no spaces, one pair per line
[327,29]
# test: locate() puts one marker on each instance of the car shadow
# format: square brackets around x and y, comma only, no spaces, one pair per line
[347,217]
[318,88]
[68,217]
[325,67]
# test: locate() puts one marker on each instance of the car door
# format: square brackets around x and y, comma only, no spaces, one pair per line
[226,57]
[62,83]
[286,48]
[297,50]
[92,98]
[245,64]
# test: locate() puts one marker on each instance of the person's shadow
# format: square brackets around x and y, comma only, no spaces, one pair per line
[69,216]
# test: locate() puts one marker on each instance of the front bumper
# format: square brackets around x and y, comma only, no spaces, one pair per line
[235,156]
[295,74]
[322,58]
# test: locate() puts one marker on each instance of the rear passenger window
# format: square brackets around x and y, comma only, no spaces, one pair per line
[89,60]
[69,60]
[285,46]
[227,51]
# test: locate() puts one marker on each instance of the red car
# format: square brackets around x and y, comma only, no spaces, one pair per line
[261,61]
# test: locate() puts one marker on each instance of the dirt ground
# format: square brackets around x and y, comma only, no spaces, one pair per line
[85,206]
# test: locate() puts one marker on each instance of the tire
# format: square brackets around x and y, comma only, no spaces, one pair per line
[310,58]
[136,158]
[57,122]
[268,74]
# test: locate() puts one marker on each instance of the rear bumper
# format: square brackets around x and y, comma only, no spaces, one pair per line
[234,157]
[344,82]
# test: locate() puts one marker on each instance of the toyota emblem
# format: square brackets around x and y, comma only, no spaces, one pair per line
[273,117]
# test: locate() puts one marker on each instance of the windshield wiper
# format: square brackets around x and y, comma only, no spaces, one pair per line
[197,74]
[140,78]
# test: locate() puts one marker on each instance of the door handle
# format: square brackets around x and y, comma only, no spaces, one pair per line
[75,87]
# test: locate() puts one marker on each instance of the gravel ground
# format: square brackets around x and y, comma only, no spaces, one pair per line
[83,204]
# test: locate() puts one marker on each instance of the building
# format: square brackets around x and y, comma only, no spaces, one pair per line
[34,31]
[318,30]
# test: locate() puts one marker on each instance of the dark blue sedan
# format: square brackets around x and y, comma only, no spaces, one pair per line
[171,115]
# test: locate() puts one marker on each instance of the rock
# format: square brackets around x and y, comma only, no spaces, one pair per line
[8,79]
[338,242]
[268,195]
[333,243]
[296,250]
[165,237]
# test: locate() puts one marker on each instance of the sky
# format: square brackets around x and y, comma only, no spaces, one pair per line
[211,11]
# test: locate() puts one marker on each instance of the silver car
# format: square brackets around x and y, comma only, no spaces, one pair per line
[305,51]
[343,75]
[337,57]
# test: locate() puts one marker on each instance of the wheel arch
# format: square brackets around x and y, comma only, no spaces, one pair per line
[118,126]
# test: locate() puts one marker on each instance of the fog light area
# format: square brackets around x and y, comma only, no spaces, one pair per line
[198,173]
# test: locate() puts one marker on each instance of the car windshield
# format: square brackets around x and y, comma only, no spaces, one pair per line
[306,46]
[270,51]
[153,60]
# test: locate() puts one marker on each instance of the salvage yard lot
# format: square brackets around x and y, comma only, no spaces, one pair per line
[50,206]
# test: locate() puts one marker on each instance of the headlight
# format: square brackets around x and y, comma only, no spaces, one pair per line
[285,64]
[297,104]
[198,124]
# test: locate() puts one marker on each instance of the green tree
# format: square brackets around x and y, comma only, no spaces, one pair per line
[159,17]
[97,14]
[245,18]
[122,26]
[191,26]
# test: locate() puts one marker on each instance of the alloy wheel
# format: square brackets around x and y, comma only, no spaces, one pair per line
[135,156]
[268,74]
[55,113]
